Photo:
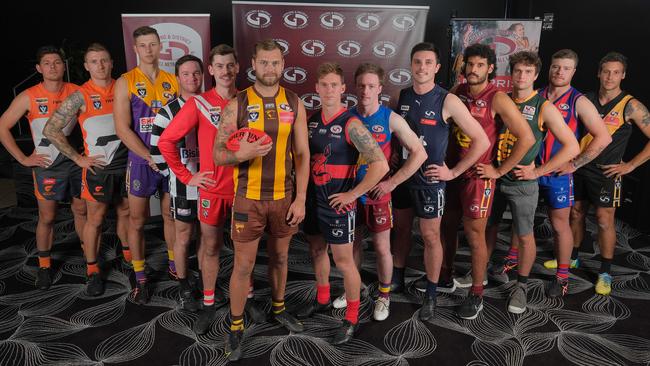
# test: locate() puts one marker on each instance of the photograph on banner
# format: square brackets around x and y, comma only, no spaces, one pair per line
[505,36]
[180,35]
[310,34]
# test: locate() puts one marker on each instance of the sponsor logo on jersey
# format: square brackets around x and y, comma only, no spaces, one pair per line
[205,203]
[313,48]
[384,49]
[563,107]
[332,20]
[295,19]
[253,116]
[258,19]
[42,109]
[403,22]
[348,48]
[368,21]
[336,129]
[253,107]
[166,85]
[313,124]
[428,121]
[377,128]
[286,107]
[146,124]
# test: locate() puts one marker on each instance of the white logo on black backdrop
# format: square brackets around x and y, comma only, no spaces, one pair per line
[313,48]
[403,22]
[332,20]
[311,101]
[295,19]
[348,48]
[368,21]
[295,75]
[384,49]
[284,45]
[258,18]
[399,76]
[350,100]
[250,75]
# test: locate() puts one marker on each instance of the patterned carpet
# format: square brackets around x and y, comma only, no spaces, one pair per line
[63,326]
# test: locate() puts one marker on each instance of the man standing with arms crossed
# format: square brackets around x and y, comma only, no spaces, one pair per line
[104,159]
[469,197]
[183,196]
[56,178]
[429,111]
[557,189]
[139,94]
[518,188]
[264,194]
[599,181]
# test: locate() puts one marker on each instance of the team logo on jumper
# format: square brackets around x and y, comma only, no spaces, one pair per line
[258,19]
[205,203]
[295,75]
[481,103]
[284,45]
[348,48]
[399,76]
[368,21]
[384,98]
[285,107]
[332,20]
[253,116]
[313,48]
[142,92]
[166,85]
[350,100]
[295,19]
[311,101]
[563,107]
[377,128]
[42,108]
[250,75]
[384,49]
[488,191]
[97,104]
[336,129]
[403,22]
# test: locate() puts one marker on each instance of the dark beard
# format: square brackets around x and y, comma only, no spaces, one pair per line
[266,83]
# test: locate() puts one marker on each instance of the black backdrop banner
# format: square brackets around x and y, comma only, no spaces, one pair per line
[311,34]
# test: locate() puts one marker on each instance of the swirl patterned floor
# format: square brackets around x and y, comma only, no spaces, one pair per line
[63,326]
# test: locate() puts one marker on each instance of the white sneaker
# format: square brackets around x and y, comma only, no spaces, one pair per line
[466,280]
[382,310]
[340,302]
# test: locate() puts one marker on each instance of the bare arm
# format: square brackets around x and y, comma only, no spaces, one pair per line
[18,107]
[372,154]
[300,146]
[122,117]
[515,122]
[636,112]
[589,116]
[554,122]
[65,114]
[455,109]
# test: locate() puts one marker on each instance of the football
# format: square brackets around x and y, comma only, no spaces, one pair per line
[253,135]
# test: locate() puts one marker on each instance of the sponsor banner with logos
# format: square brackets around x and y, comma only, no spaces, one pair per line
[310,34]
[505,36]
[180,34]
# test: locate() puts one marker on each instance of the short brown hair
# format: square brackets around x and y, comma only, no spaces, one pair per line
[329,68]
[613,57]
[145,30]
[266,45]
[527,58]
[46,50]
[96,47]
[222,50]
[566,53]
[187,58]
[369,68]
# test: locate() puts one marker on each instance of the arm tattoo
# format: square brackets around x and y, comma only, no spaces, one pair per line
[226,128]
[586,156]
[634,106]
[366,145]
[53,129]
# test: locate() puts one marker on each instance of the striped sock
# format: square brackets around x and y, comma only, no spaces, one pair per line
[237,323]
[323,293]
[44,260]
[208,297]
[384,290]
[138,268]
[170,256]
[513,254]
[352,311]
[562,273]
[91,268]
[277,306]
[477,290]
[126,252]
